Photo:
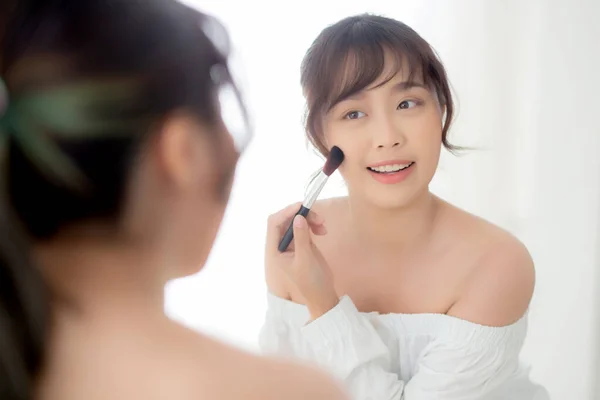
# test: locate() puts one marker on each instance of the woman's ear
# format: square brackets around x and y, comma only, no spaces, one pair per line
[183,152]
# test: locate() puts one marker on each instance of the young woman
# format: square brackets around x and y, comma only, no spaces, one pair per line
[398,293]
[117,170]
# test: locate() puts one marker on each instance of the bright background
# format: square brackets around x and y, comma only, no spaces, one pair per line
[526,79]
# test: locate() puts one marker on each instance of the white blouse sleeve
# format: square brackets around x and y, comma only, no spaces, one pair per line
[345,342]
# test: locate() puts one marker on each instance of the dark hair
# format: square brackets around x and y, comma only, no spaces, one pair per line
[348,56]
[88,82]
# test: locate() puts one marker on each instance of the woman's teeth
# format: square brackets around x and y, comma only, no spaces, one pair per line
[386,169]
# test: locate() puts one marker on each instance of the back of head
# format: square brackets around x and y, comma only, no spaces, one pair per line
[87,83]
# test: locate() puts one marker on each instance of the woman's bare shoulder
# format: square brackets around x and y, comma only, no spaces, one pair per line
[276,379]
[502,280]
[169,361]
[209,368]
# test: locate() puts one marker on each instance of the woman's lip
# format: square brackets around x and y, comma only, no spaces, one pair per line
[392,177]
[389,162]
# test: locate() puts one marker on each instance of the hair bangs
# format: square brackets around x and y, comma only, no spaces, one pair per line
[367,67]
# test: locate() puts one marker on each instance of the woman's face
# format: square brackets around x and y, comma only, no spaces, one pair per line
[391,137]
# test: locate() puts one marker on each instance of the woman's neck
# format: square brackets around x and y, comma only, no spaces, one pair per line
[394,229]
[103,279]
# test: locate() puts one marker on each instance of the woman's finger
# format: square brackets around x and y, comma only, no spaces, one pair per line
[318,229]
[314,218]
[303,249]
[279,222]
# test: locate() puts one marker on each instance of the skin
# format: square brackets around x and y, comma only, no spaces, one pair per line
[399,248]
[111,338]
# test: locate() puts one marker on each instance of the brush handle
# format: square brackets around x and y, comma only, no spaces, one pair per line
[289,234]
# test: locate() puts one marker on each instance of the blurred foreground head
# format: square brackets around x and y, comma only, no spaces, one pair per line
[112,131]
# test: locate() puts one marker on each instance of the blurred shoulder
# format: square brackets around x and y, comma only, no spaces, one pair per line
[276,379]
[212,369]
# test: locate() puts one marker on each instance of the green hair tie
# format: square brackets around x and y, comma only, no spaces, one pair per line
[72,111]
[4,102]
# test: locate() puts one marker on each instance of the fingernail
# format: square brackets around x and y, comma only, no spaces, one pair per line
[299,221]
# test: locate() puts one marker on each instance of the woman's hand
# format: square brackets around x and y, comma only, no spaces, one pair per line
[302,268]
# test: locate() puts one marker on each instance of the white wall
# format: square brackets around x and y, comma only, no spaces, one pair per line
[564,231]
[525,75]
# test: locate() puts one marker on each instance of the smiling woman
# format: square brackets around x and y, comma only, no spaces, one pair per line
[431,301]
[375,80]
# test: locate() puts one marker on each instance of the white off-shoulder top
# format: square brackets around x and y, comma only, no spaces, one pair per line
[403,356]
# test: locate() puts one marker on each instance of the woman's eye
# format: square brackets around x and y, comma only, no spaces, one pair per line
[354,115]
[406,104]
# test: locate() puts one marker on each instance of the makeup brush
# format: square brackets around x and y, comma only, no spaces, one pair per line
[334,160]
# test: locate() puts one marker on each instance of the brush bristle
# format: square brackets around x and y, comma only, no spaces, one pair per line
[334,160]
